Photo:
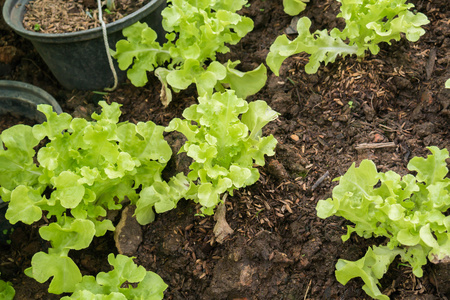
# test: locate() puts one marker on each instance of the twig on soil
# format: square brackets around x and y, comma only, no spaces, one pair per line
[320,180]
[307,289]
[375,145]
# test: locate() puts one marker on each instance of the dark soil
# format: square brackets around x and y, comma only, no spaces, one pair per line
[279,249]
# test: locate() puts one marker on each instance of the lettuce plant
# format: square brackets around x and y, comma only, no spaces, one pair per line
[111,285]
[84,169]
[197,31]
[225,141]
[368,23]
[410,211]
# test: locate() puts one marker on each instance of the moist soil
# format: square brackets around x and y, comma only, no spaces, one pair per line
[387,108]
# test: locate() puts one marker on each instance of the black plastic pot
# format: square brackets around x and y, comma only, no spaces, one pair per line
[78,59]
[21,99]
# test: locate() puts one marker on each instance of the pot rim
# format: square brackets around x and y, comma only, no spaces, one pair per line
[26,94]
[14,10]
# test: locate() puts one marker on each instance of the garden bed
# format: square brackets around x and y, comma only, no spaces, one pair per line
[387,108]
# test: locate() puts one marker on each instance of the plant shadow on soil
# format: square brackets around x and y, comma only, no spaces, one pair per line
[279,249]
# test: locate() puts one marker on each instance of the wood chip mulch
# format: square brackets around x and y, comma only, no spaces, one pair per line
[61,16]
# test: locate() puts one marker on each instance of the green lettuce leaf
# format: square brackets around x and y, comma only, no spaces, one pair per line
[245,83]
[141,50]
[161,196]
[294,7]
[432,169]
[62,268]
[24,205]
[74,234]
[370,268]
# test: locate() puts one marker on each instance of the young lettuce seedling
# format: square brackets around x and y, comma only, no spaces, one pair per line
[224,138]
[368,23]
[410,211]
[197,31]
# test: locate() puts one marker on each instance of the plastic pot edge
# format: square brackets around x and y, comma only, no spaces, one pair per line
[22,98]
[13,12]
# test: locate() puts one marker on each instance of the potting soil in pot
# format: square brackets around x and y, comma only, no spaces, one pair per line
[57,16]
